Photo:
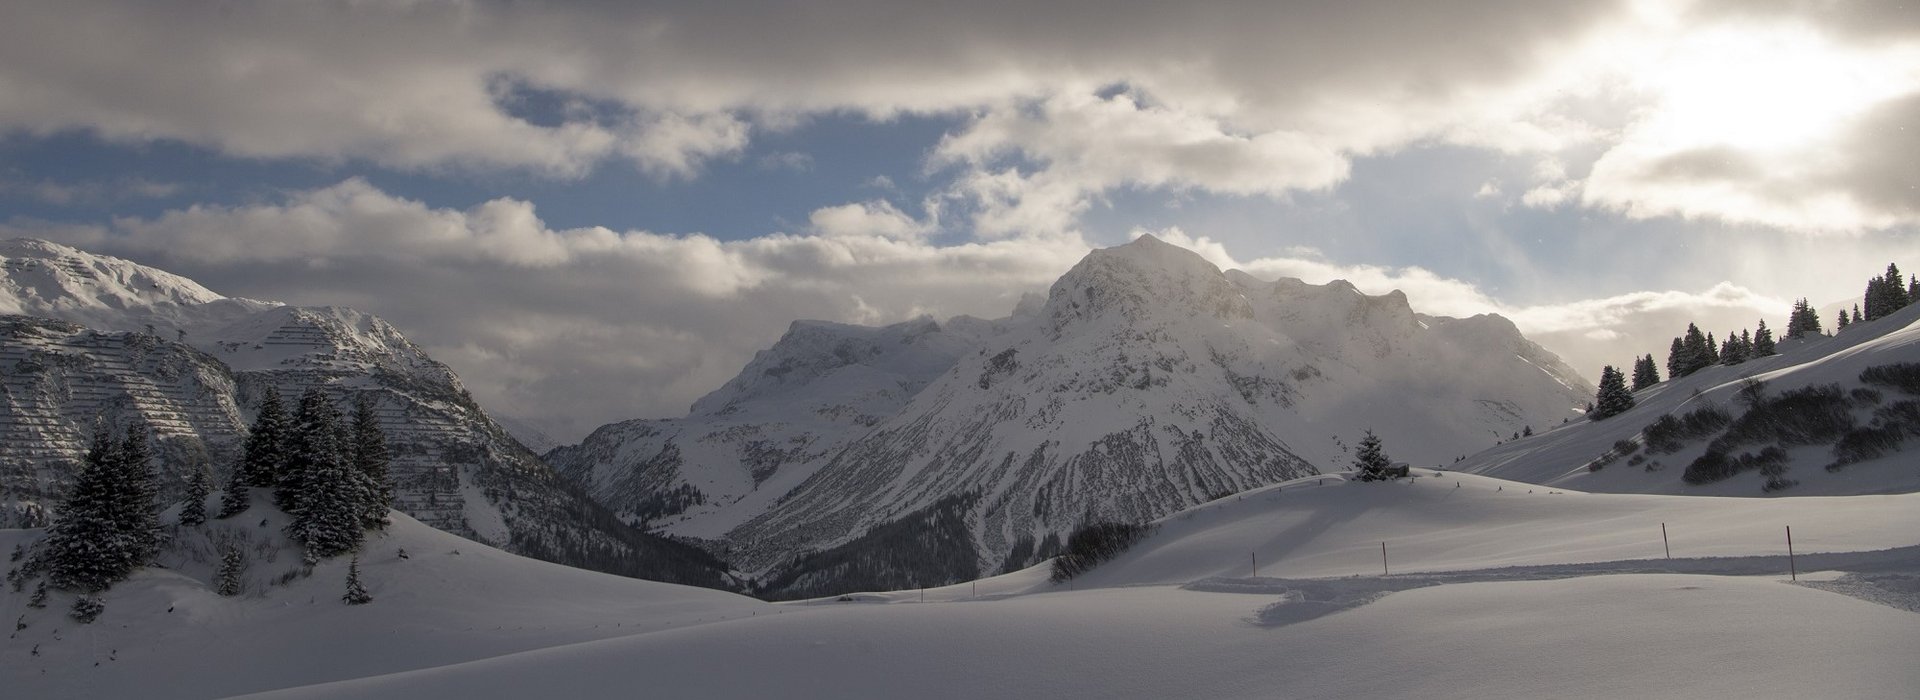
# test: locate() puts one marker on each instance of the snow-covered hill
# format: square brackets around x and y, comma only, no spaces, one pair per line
[437,599]
[1500,589]
[99,340]
[1147,381]
[1619,454]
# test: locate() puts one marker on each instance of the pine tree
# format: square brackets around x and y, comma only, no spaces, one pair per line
[1763,340]
[1804,320]
[1677,359]
[232,564]
[370,460]
[264,456]
[199,487]
[1645,373]
[1696,352]
[1897,297]
[1730,351]
[1913,289]
[325,499]
[356,593]
[1843,322]
[1613,397]
[1856,314]
[89,547]
[135,506]
[237,497]
[1713,351]
[1370,462]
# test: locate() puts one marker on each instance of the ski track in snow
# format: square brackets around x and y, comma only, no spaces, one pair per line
[1890,577]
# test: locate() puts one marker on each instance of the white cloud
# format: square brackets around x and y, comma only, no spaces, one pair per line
[877,218]
[1758,112]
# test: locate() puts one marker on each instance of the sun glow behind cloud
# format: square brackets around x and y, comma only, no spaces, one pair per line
[1771,89]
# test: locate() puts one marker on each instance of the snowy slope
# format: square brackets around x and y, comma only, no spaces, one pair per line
[1561,457]
[138,345]
[1150,381]
[1180,616]
[166,635]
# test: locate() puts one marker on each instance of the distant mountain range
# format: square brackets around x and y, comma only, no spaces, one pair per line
[1146,381]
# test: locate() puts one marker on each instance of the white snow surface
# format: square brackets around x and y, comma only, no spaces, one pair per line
[1500,590]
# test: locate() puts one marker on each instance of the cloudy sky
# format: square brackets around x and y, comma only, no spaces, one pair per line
[597,211]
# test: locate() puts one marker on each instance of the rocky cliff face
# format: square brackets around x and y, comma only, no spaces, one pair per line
[140,346]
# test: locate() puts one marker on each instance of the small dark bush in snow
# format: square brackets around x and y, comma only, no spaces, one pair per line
[1669,433]
[1904,376]
[1095,543]
[86,608]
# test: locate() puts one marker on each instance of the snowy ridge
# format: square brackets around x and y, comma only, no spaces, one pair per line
[47,279]
[1562,457]
[750,442]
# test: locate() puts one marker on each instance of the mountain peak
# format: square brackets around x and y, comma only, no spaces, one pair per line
[42,278]
[1140,279]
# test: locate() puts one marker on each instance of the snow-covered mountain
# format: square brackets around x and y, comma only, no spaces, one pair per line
[1147,381]
[770,428]
[95,340]
[1818,409]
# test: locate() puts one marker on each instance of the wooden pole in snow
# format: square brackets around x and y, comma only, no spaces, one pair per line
[1663,540]
[1256,563]
[1792,570]
[1383,559]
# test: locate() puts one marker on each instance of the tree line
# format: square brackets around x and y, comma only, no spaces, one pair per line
[327,471]
[1693,351]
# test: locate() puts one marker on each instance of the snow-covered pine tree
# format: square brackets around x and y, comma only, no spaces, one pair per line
[199,487]
[370,460]
[85,548]
[236,497]
[326,505]
[264,455]
[1370,462]
[1613,397]
[232,564]
[1763,340]
[356,594]
[136,507]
